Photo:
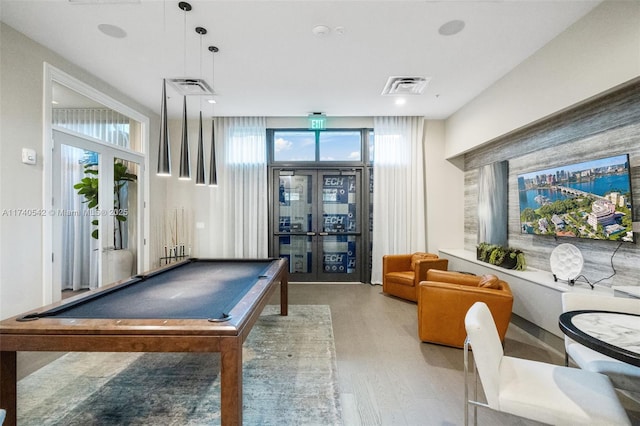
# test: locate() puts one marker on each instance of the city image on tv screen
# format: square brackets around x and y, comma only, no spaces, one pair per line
[583,200]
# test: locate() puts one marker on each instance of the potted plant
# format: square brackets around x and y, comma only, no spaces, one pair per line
[88,187]
[505,257]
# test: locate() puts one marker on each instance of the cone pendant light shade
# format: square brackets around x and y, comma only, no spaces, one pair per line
[164,152]
[213,173]
[185,164]
[200,165]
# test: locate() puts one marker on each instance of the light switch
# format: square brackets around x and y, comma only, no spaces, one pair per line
[28,156]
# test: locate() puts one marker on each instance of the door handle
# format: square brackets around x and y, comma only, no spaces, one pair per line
[311,234]
[324,234]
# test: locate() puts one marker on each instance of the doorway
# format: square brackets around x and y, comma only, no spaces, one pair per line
[317,223]
[90,123]
[97,195]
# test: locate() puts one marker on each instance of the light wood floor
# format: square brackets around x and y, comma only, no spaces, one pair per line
[386,375]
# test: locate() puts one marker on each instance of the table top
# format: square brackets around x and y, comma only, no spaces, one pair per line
[615,334]
[204,289]
[162,302]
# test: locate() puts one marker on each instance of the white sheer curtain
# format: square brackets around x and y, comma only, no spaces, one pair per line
[399,213]
[80,271]
[239,206]
[100,123]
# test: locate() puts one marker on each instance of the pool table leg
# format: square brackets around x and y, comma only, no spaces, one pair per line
[231,381]
[8,387]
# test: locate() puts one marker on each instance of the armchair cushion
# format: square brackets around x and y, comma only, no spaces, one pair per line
[402,277]
[418,256]
[489,281]
[445,298]
[401,273]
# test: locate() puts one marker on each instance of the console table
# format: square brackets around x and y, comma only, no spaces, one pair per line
[536,296]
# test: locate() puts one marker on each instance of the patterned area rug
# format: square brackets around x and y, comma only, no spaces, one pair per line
[289,371]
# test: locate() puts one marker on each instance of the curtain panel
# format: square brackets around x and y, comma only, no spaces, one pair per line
[399,212]
[77,243]
[99,123]
[239,204]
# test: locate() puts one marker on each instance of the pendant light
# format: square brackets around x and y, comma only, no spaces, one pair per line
[213,173]
[200,181]
[185,166]
[164,151]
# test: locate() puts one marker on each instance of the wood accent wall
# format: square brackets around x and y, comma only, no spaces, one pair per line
[601,127]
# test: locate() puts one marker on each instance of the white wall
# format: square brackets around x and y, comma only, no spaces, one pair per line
[597,53]
[21,185]
[445,192]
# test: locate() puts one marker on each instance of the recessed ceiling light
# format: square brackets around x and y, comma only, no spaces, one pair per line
[401,101]
[451,27]
[321,30]
[212,101]
[112,31]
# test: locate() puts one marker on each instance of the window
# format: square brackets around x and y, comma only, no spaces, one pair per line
[340,146]
[294,146]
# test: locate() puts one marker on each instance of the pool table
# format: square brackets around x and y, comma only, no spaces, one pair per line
[198,305]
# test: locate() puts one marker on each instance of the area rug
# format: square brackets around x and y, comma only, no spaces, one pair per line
[289,371]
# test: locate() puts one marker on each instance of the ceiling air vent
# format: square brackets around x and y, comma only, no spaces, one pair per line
[190,86]
[405,85]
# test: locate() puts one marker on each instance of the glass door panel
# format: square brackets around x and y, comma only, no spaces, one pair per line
[316,223]
[340,236]
[295,213]
[339,254]
[298,249]
[76,215]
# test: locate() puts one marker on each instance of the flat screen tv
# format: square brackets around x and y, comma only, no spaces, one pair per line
[582,200]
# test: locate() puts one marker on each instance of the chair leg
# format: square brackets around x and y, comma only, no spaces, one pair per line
[466,385]
[566,358]
[475,395]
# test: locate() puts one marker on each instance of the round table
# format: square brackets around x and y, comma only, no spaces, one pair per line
[615,334]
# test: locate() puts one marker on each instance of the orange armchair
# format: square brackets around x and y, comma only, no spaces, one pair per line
[446,296]
[401,273]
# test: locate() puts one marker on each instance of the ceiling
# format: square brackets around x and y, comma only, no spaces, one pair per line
[271,63]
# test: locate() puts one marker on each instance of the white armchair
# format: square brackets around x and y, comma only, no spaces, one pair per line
[623,376]
[534,390]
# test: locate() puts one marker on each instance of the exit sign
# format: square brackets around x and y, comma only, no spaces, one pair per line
[317,121]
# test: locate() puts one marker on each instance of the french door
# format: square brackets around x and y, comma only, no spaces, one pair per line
[317,223]
[96,212]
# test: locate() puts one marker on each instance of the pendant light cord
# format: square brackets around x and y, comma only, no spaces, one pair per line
[184,50]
